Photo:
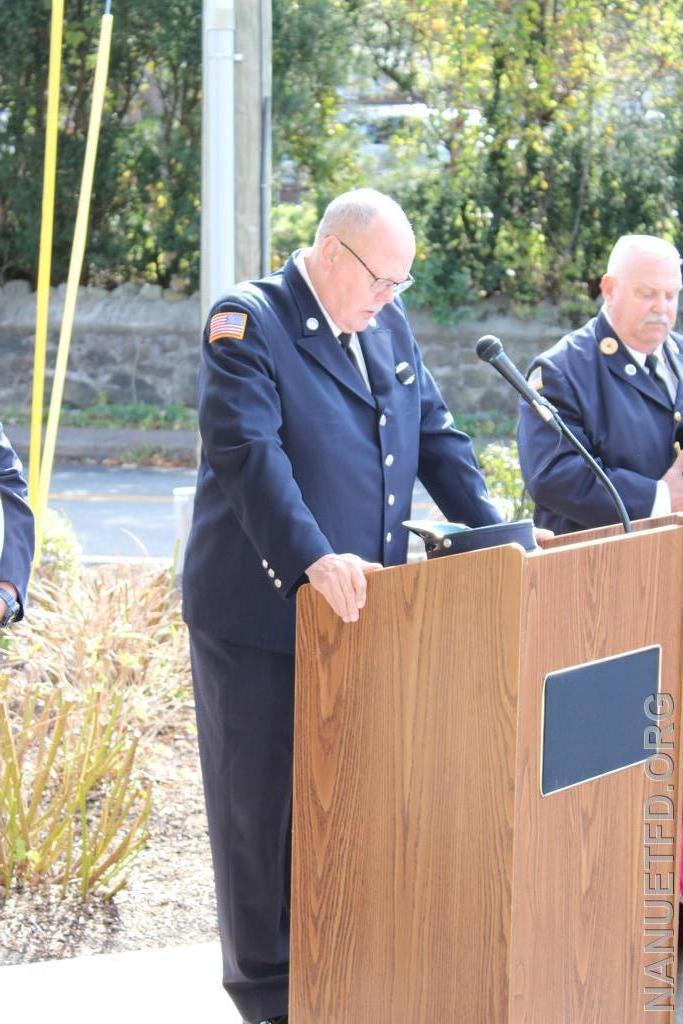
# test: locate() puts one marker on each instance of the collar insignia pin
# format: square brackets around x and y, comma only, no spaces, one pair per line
[608,346]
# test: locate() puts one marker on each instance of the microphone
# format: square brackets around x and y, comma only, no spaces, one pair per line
[490,349]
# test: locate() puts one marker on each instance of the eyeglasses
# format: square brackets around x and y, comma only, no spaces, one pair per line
[380,284]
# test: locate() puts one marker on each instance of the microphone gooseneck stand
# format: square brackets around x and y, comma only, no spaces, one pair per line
[490,350]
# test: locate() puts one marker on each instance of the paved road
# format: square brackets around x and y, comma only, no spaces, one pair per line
[130,512]
[118,511]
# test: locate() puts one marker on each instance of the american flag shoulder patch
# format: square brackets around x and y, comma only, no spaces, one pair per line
[227,325]
[536,378]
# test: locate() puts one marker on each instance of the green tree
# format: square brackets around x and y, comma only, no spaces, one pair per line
[540,106]
[552,126]
[313,62]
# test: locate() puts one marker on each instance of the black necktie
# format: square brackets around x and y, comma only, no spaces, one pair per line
[652,363]
[345,342]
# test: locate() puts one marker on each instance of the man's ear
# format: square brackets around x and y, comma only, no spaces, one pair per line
[329,249]
[607,286]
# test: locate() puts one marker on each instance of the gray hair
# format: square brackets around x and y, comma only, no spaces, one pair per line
[353,212]
[643,245]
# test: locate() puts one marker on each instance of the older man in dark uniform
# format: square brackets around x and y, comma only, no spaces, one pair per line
[16,536]
[316,416]
[617,383]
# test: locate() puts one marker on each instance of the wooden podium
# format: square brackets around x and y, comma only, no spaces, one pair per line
[433,880]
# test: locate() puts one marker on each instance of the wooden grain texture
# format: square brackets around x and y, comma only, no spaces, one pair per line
[404,796]
[431,879]
[578,934]
[615,530]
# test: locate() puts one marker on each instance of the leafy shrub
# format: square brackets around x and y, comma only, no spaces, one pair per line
[490,424]
[500,466]
[105,414]
[292,227]
[61,553]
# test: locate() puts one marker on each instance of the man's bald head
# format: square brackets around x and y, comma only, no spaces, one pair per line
[641,289]
[353,213]
[362,254]
[630,248]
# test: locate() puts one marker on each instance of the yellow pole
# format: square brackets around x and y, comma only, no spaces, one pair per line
[75,267]
[45,252]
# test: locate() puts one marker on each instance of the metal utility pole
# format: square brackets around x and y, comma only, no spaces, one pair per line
[218,151]
[252,134]
[235,144]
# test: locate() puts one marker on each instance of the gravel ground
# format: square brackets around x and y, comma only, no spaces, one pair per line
[169,897]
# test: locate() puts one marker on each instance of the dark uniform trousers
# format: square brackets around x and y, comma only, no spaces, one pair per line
[240,693]
[299,459]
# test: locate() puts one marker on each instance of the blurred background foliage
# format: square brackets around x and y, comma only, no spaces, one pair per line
[522,136]
[144,223]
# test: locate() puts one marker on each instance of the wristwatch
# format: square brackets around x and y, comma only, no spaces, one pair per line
[13,608]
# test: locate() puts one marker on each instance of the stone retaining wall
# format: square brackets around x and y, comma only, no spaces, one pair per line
[140,344]
[132,344]
[469,385]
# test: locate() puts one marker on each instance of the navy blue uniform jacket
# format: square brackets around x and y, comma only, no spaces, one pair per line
[617,412]
[17,548]
[299,460]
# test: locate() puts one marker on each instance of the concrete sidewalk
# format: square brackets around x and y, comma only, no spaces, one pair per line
[177,985]
[119,442]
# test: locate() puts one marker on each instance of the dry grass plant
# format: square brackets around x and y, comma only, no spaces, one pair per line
[96,671]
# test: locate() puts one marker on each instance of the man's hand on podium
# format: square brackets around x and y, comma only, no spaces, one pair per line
[341,581]
[541,534]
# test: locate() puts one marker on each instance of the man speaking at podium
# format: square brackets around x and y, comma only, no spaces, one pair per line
[316,415]
[16,535]
[617,384]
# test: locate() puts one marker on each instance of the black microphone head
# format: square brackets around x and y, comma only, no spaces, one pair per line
[489,347]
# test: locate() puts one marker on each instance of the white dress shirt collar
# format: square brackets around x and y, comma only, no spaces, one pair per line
[300,264]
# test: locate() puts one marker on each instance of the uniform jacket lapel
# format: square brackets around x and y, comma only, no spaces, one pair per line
[622,365]
[378,353]
[315,338]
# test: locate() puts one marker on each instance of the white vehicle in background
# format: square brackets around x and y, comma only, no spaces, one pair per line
[379,123]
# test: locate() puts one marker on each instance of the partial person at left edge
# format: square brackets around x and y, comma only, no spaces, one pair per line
[17,537]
